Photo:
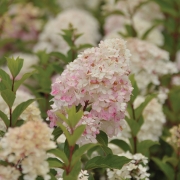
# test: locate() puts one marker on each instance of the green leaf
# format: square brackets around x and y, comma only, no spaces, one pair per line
[65,131]
[60,154]
[90,177]
[15,65]
[79,152]
[136,90]
[106,150]
[19,109]
[130,30]
[76,134]
[6,78]
[73,116]
[24,77]
[4,118]
[60,56]
[2,133]
[110,161]
[52,176]
[122,144]
[143,147]
[102,138]
[63,117]
[8,97]
[165,168]
[146,33]
[74,172]
[84,46]
[139,109]
[115,12]
[57,132]
[172,160]
[134,126]
[55,163]
[4,163]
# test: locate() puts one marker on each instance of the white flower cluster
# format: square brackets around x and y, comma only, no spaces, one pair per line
[51,40]
[98,78]
[136,168]
[26,147]
[17,27]
[148,62]
[141,20]
[174,139]
[9,173]
[115,24]
[31,113]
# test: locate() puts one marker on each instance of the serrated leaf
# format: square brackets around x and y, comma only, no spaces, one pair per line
[8,97]
[122,144]
[79,152]
[24,77]
[60,154]
[143,146]
[19,109]
[55,163]
[4,118]
[102,138]
[165,168]
[15,65]
[110,161]
[57,132]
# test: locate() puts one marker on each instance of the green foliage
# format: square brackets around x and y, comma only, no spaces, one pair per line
[21,81]
[6,82]
[19,109]
[102,138]
[79,152]
[4,118]
[15,65]
[8,97]
[143,147]
[55,163]
[110,161]
[57,132]
[122,144]
[166,168]
[73,174]
[60,154]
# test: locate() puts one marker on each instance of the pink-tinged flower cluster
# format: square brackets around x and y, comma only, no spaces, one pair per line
[27,145]
[149,62]
[98,79]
